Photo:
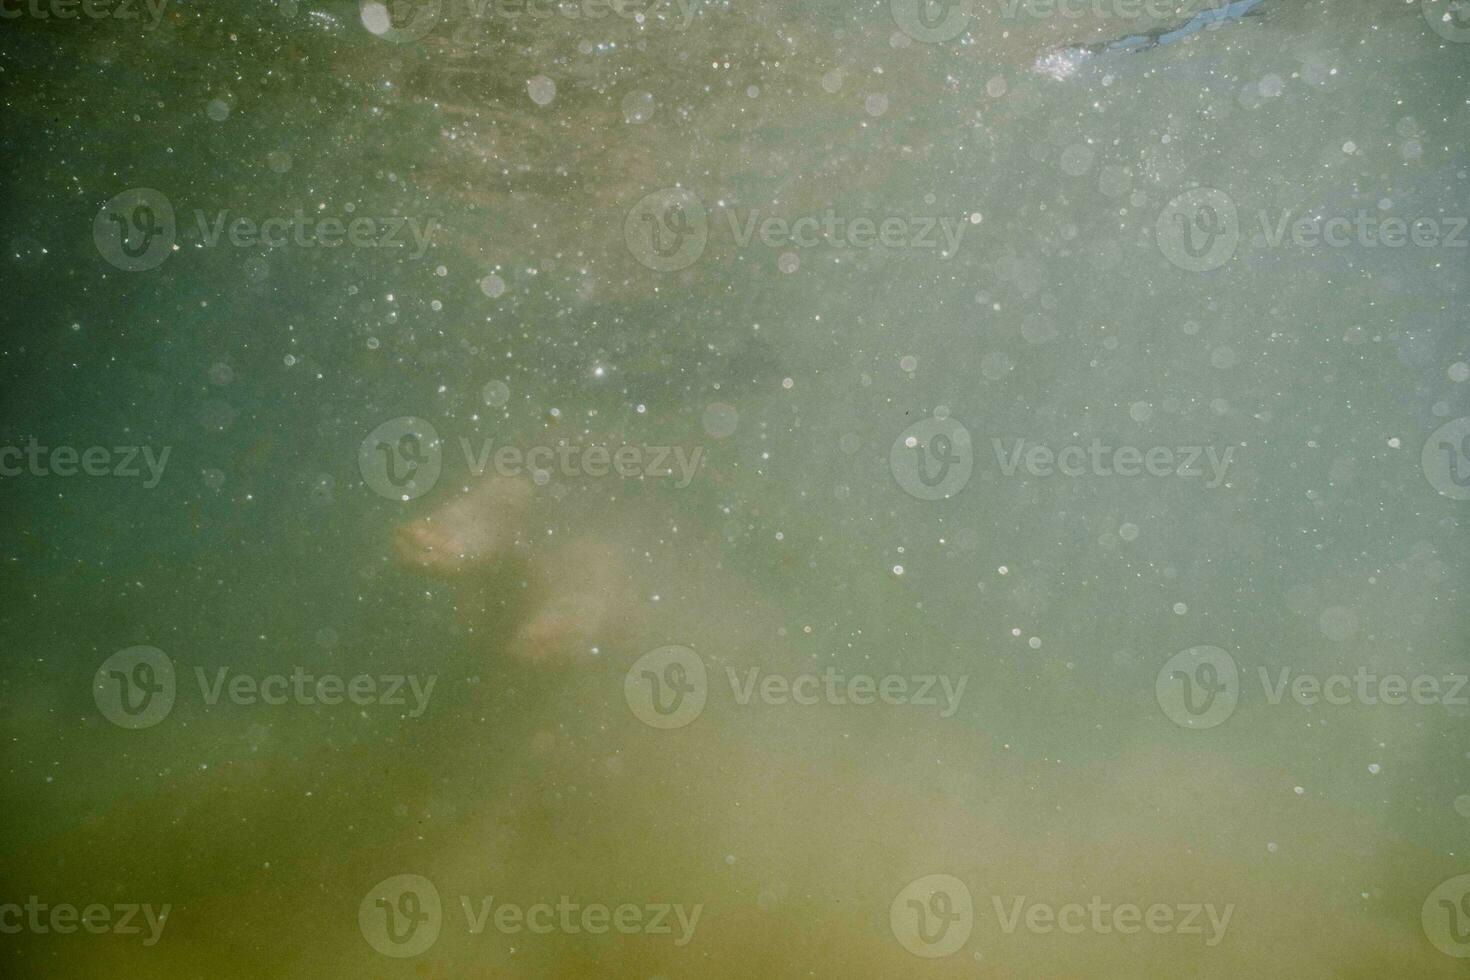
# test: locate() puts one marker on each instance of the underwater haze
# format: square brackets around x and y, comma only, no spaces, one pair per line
[683,489]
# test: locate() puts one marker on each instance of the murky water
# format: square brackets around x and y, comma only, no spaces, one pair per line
[712,490]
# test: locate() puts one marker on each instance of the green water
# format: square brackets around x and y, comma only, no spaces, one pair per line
[868,657]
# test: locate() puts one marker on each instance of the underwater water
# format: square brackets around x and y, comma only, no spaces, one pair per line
[683,489]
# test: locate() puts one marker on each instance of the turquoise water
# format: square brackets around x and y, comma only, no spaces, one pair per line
[813,490]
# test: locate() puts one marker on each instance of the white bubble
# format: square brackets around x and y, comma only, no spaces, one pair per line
[492,286]
[495,393]
[1140,411]
[909,363]
[1034,643]
[541,89]
[898,569]
[1114,181]
[1180,609]
[376,18]
[832,81]
[996,87]
[638,107]
[1374,768]
[995,365]
[720,420]
[218,110]
[876,104]
[789,262]
[1459,372]
[1077,159]
[1128,532]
